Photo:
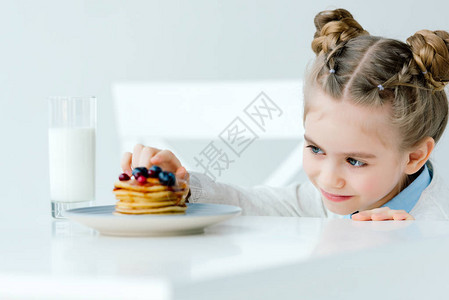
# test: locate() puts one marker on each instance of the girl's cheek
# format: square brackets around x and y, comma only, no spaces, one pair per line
[306,163]
[367,185]
[310,165]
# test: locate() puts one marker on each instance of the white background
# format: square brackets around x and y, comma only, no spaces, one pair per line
[84,47]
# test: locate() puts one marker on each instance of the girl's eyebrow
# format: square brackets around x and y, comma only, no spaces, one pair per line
[350,154]
[308,140]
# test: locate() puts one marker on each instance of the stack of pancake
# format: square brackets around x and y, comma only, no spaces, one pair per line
[150,197]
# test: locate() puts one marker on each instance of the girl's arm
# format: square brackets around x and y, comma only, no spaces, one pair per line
[301,200]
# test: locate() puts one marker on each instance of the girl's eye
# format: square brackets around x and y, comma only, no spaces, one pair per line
[315,150]
[355,163]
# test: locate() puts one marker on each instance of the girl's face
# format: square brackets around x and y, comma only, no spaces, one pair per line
[351,154]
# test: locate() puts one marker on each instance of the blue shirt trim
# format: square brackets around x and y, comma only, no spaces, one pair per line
[409,196]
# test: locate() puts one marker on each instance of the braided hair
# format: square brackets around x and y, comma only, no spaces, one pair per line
[371,71]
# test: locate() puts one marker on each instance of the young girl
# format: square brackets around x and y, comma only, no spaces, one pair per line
[374,110]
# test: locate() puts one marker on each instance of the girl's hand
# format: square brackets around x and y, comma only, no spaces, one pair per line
[382,214]
[147,156]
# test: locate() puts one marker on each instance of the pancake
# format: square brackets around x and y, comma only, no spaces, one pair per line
[151,185]
[134,205]
[150,197]
[162,210]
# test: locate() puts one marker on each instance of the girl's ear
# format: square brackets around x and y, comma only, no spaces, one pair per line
[419,155]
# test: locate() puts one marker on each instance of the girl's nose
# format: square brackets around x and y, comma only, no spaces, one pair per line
[331,177]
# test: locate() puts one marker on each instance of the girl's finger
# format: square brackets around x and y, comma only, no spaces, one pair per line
[398,212]
[410,217]
[182,175]
[145,156]
[399,217]
[382,216]
[402,216]
[126,163]
[166,160]
[376,214]
[136,155]
[361,216]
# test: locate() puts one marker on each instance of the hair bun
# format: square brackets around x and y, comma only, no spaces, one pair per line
[334,27]
[431,53]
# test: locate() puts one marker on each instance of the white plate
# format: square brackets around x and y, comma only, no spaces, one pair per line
[197,217]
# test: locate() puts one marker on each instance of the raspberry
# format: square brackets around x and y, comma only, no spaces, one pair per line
[141,179]
[153,174]
[123,177]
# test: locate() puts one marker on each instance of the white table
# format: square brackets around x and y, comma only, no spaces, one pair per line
[242,258]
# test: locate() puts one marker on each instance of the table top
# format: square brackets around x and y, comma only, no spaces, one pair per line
[39,251]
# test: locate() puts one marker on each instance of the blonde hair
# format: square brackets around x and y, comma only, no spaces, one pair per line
[372,71]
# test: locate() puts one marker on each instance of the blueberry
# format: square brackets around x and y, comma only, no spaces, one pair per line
[154,172]
[156,168]
[140,171]
[167,178]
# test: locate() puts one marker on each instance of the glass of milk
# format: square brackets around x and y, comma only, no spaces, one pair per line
[71,137]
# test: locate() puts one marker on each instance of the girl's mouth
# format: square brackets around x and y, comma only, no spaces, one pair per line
[334,198]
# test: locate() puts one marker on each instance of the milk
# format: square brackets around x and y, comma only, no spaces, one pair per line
[72,164]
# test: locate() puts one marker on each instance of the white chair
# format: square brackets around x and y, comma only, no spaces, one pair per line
[241,132]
